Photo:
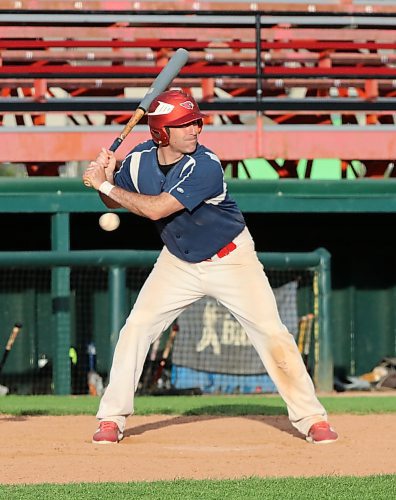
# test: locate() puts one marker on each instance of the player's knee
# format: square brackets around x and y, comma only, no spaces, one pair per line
[287,358]
[281,346]
[136,326]
[273,331]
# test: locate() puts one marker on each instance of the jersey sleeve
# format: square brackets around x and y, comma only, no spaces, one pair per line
[123,177]
[200,180]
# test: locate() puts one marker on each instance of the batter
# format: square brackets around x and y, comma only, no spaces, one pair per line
[208,250]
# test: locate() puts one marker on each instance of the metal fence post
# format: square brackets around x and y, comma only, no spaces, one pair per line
[117,301]
[60,290]
[324,364]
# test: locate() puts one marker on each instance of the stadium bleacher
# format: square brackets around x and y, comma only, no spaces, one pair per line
[295,80]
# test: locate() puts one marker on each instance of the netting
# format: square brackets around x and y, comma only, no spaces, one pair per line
[206,350]
[211,351]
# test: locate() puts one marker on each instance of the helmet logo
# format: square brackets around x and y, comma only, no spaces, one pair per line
[163,108]
[187,105]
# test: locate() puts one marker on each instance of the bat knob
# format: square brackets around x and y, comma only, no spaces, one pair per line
[87,184]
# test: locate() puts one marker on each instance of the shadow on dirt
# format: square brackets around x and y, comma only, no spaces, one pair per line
[274,416]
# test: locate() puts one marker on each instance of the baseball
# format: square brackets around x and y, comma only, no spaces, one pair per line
[109,221]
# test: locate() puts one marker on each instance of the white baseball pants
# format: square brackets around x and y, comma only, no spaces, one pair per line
[237,281]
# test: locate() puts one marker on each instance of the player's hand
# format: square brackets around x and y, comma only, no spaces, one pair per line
[101,169]
[108,161]
[94,175]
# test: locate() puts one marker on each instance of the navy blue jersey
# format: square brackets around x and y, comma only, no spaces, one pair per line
[210,220]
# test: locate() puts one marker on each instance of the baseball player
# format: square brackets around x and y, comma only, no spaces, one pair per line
[208,250]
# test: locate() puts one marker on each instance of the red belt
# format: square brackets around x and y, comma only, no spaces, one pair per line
[226,250]
[230,247]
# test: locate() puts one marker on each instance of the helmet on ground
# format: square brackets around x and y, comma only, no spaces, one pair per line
[172,108]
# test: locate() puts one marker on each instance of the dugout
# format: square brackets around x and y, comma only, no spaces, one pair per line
[353,220]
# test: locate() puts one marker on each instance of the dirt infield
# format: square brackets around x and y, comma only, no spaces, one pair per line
[59,449]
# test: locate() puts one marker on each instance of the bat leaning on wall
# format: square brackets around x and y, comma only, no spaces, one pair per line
[165,354]
[150,366]
[14,333]
[304,337]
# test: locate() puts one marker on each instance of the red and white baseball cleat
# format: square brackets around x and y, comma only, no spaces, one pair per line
[107,433]
[321,433]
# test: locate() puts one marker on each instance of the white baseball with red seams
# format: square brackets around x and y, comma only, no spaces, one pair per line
[109,221]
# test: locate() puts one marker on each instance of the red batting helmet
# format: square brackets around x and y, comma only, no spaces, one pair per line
[171,109]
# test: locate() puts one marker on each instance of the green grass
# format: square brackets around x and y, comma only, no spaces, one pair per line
[193,405]
[326,488]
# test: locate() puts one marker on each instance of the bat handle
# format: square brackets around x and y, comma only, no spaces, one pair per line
[128,127]
[113,148]
[116,144]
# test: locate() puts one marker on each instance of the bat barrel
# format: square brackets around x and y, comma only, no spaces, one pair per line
[174,65]
[15,330]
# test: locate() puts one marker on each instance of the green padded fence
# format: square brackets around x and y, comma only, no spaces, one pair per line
[116,264]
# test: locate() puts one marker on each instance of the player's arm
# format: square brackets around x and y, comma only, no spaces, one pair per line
[153,207]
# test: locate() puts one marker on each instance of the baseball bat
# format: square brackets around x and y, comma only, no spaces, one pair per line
[148,375]
[161,82]
[302,328]
[307,340]
[14,333]
[165,354]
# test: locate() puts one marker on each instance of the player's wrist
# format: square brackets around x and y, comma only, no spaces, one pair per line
[106,187]
[109,175]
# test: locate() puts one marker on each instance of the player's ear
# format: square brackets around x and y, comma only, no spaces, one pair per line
[200,125]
